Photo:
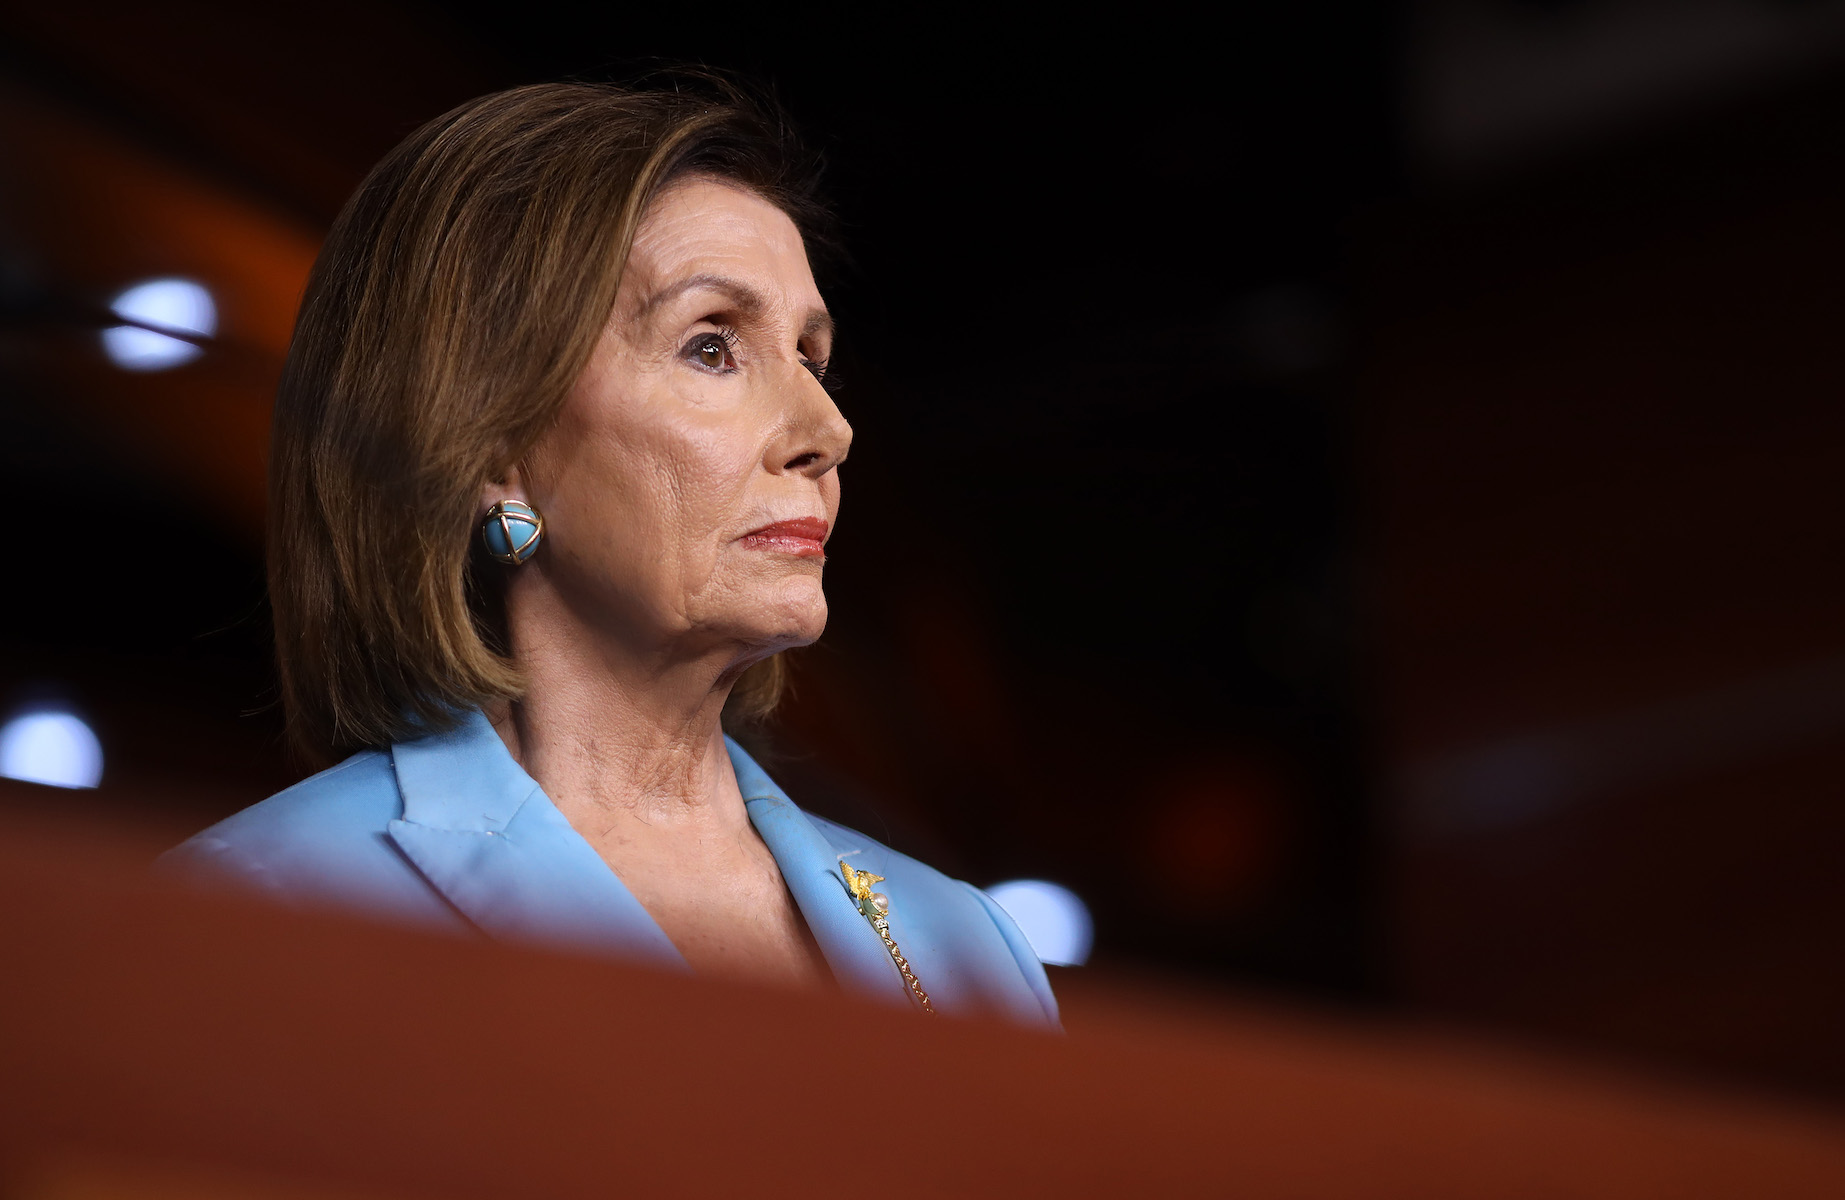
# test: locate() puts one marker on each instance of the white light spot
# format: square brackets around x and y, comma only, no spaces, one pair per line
[177,304]
[51,747]
[1053,919]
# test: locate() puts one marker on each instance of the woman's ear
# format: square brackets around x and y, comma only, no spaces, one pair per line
[510,486]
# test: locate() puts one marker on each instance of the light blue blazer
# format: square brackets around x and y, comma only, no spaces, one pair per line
[449,832]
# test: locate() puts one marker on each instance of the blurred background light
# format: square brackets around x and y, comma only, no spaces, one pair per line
[177,304]
[1054,919]
[57,748]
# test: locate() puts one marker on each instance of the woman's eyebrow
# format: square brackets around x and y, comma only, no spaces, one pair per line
[746,298]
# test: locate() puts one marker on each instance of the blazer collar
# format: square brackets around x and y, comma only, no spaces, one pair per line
[810,866]
[486,836]
[454,780]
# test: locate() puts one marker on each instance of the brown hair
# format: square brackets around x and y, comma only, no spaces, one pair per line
[452,308]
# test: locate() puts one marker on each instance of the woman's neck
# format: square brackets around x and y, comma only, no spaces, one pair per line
[627,744]
[611,734]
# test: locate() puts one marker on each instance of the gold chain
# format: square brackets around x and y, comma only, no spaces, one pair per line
[882,925]
[876,909]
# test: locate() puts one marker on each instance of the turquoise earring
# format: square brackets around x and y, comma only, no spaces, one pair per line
[512,531]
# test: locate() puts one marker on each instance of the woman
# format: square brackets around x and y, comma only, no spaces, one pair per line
[574,328]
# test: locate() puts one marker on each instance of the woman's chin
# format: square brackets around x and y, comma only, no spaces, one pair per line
[798,602]
[799,629]
[787,615]
[772,626]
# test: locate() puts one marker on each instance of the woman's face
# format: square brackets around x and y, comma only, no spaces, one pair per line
[692,477]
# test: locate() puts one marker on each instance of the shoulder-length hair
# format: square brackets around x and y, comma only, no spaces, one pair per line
[451,310]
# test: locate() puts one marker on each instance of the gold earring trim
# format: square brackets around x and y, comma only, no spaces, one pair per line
[502,514]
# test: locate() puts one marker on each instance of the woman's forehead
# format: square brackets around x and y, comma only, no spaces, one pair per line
[703,218]
[706,237]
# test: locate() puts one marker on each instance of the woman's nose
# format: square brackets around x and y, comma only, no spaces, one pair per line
[815,437]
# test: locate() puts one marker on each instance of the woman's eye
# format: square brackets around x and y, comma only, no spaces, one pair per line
[711,351]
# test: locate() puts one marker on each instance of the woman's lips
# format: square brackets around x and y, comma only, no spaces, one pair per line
[803,537]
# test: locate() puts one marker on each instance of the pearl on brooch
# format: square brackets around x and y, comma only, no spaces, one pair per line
[880,901]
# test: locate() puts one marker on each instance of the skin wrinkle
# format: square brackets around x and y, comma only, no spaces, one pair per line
[746,298]
[643,606]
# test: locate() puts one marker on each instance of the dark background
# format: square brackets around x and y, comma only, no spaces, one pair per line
[1349,489]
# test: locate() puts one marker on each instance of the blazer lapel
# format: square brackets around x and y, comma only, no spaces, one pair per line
[484,834]
[810,866]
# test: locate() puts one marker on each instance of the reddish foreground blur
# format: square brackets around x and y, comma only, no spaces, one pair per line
[160,1044]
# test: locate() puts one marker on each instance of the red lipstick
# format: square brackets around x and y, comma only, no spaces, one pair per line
[803,537]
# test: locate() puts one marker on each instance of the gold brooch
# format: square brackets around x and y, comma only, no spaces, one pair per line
[872,904]
[876,908]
